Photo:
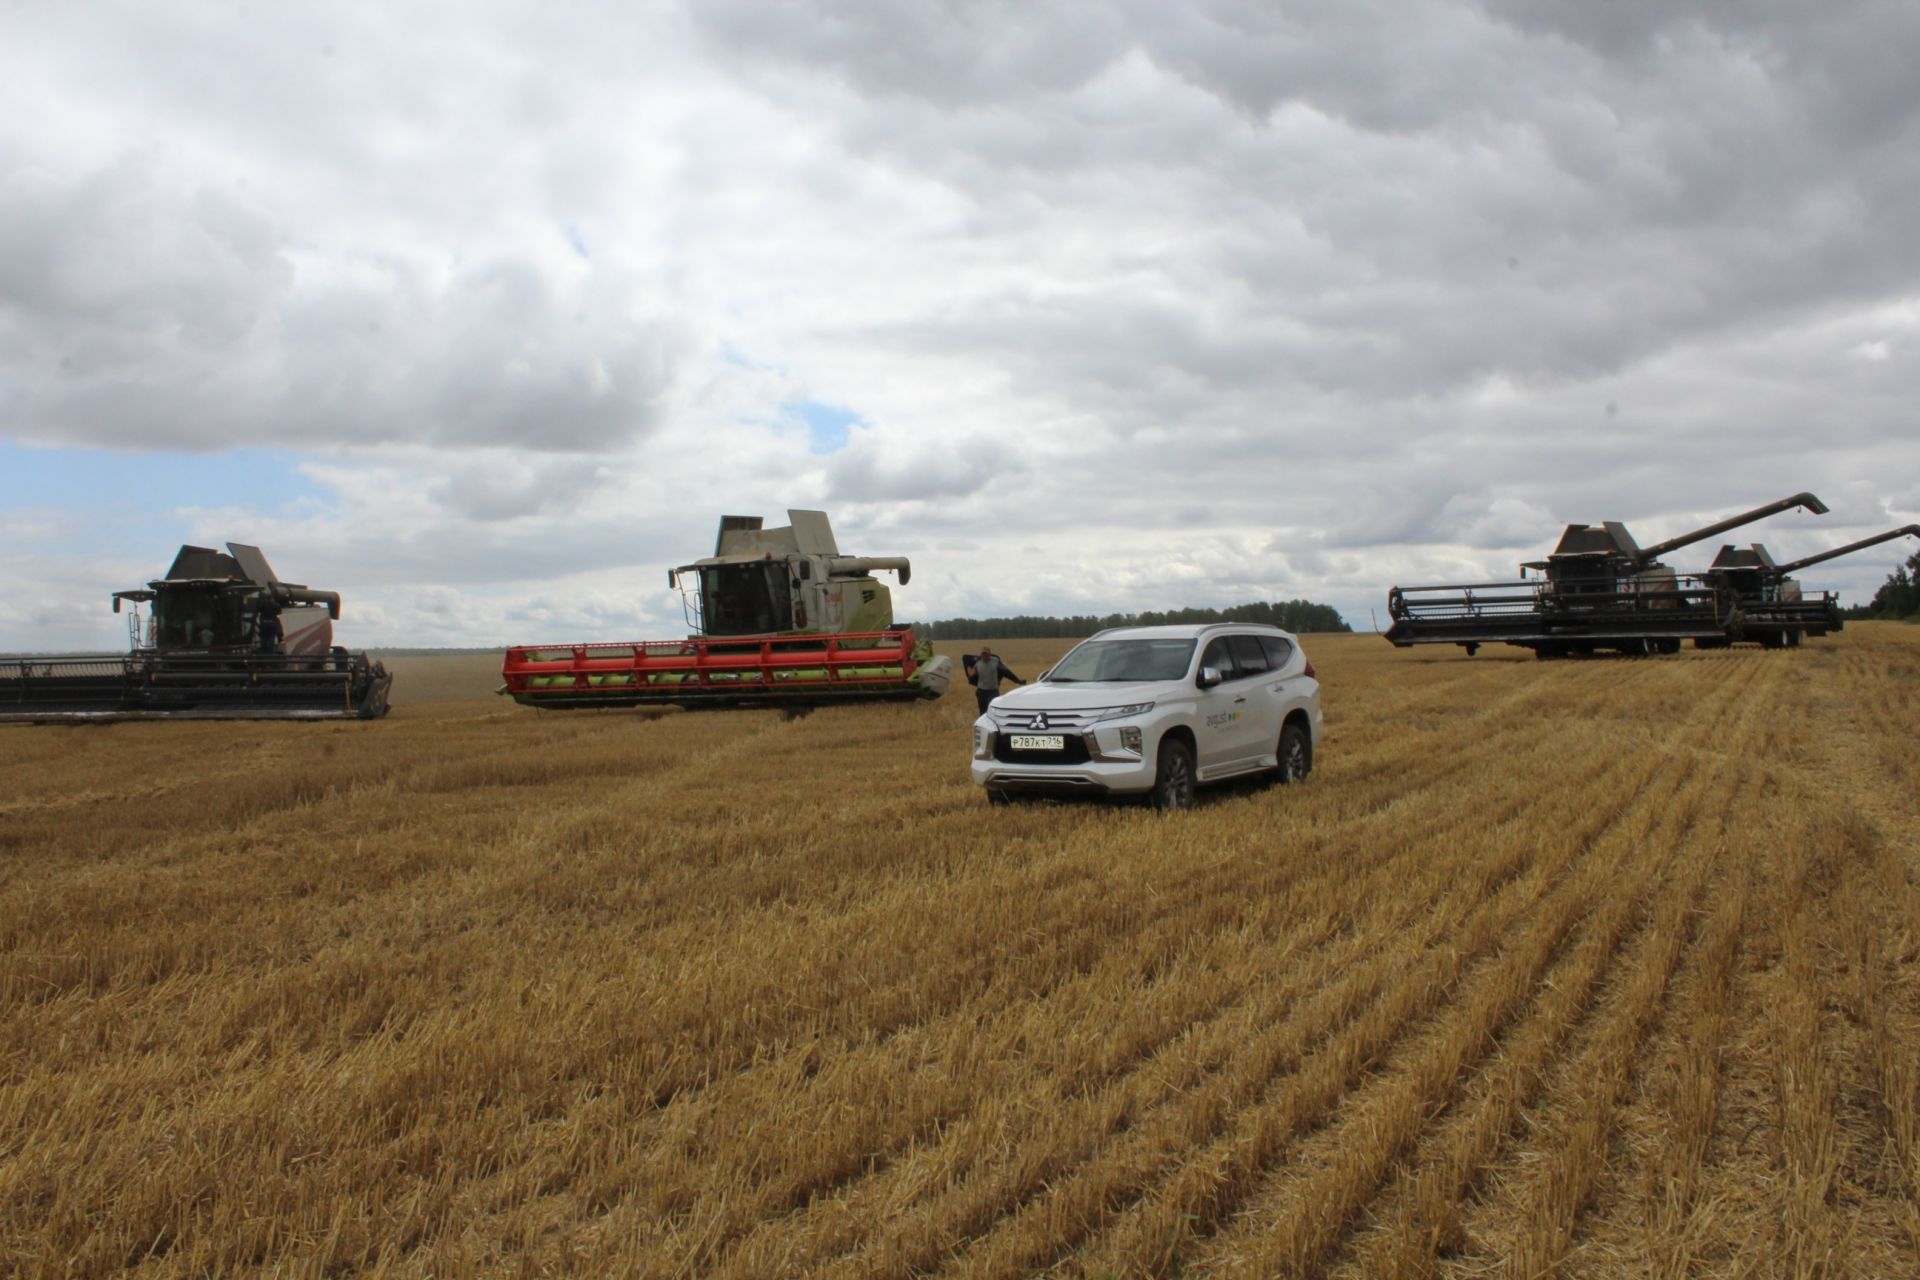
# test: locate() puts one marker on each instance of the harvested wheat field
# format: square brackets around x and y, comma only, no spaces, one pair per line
[1596,968]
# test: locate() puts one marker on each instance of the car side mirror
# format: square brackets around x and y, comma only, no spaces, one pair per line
[1209,677]
[1043,675]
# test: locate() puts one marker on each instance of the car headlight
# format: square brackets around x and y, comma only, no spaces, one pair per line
[1116,713]
[1130,737]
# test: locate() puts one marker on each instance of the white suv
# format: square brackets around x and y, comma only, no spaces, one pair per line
[1154,711]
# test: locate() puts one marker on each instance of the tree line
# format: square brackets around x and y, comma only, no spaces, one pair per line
[1898,596]
[1291,615]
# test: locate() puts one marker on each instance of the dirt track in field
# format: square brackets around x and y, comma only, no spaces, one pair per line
[1599,968]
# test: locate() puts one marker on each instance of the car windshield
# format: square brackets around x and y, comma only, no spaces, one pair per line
[1118,660]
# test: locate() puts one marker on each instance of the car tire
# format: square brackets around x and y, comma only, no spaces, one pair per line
[1293,758]
[1173,781]
[998,798]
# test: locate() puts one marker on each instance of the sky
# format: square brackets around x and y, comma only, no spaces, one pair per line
[482,313]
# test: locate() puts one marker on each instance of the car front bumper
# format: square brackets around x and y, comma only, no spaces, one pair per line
[1095,764]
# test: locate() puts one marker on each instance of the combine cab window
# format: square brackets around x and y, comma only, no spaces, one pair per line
[201,618]
[746,599]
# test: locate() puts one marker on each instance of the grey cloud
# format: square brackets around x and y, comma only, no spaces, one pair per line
[1501,202]
[511,487]
[134,313]
[941,53]
[864,473]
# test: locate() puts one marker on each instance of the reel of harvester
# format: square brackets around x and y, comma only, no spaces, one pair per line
[782,620]
[227,640]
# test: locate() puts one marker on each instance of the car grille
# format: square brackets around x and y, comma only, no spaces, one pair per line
[1023,720]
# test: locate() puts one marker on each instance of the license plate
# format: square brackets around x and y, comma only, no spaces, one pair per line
[1039,742]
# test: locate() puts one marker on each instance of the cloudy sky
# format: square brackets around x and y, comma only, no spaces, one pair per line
[482,313]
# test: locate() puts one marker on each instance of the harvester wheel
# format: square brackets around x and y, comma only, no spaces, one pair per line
[1173,778]
[1295,755]
[1794,638]
[1670,645]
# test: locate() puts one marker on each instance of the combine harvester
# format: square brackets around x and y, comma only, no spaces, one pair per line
[782,620]
[208,653]
[1600,589]
[1774,610]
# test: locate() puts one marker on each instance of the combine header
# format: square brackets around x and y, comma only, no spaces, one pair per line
[227,640]
[783,620]
[1600,589]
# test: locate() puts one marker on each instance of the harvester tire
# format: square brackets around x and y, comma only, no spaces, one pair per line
[1173,777]
[1294,756]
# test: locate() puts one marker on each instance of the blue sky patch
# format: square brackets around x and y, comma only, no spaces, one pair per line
[123,493]
[827,424]
[99,478]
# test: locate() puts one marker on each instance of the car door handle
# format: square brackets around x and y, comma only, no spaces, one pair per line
[1239,699]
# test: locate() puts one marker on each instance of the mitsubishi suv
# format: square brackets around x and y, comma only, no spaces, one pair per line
[1154,712]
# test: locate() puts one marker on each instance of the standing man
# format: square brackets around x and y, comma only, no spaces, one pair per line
[986,672]
[270,629]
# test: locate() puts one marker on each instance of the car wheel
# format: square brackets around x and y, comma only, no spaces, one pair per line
[1295,755]
[1173,778]
[998,798]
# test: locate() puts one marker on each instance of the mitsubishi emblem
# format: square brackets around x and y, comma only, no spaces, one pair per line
[1040,720]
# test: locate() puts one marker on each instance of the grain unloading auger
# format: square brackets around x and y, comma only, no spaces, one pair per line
[1599,589]
[1775,610]
[782,620]
[227,640]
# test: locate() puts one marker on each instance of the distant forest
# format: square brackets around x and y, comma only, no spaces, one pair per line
[1292,615]
[1898,596]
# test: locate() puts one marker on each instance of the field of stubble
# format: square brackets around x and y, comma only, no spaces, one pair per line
[1586,969]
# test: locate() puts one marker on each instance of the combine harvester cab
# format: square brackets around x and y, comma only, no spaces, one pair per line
[1599,589]
[1775,611]
[782,620]
[207,653]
